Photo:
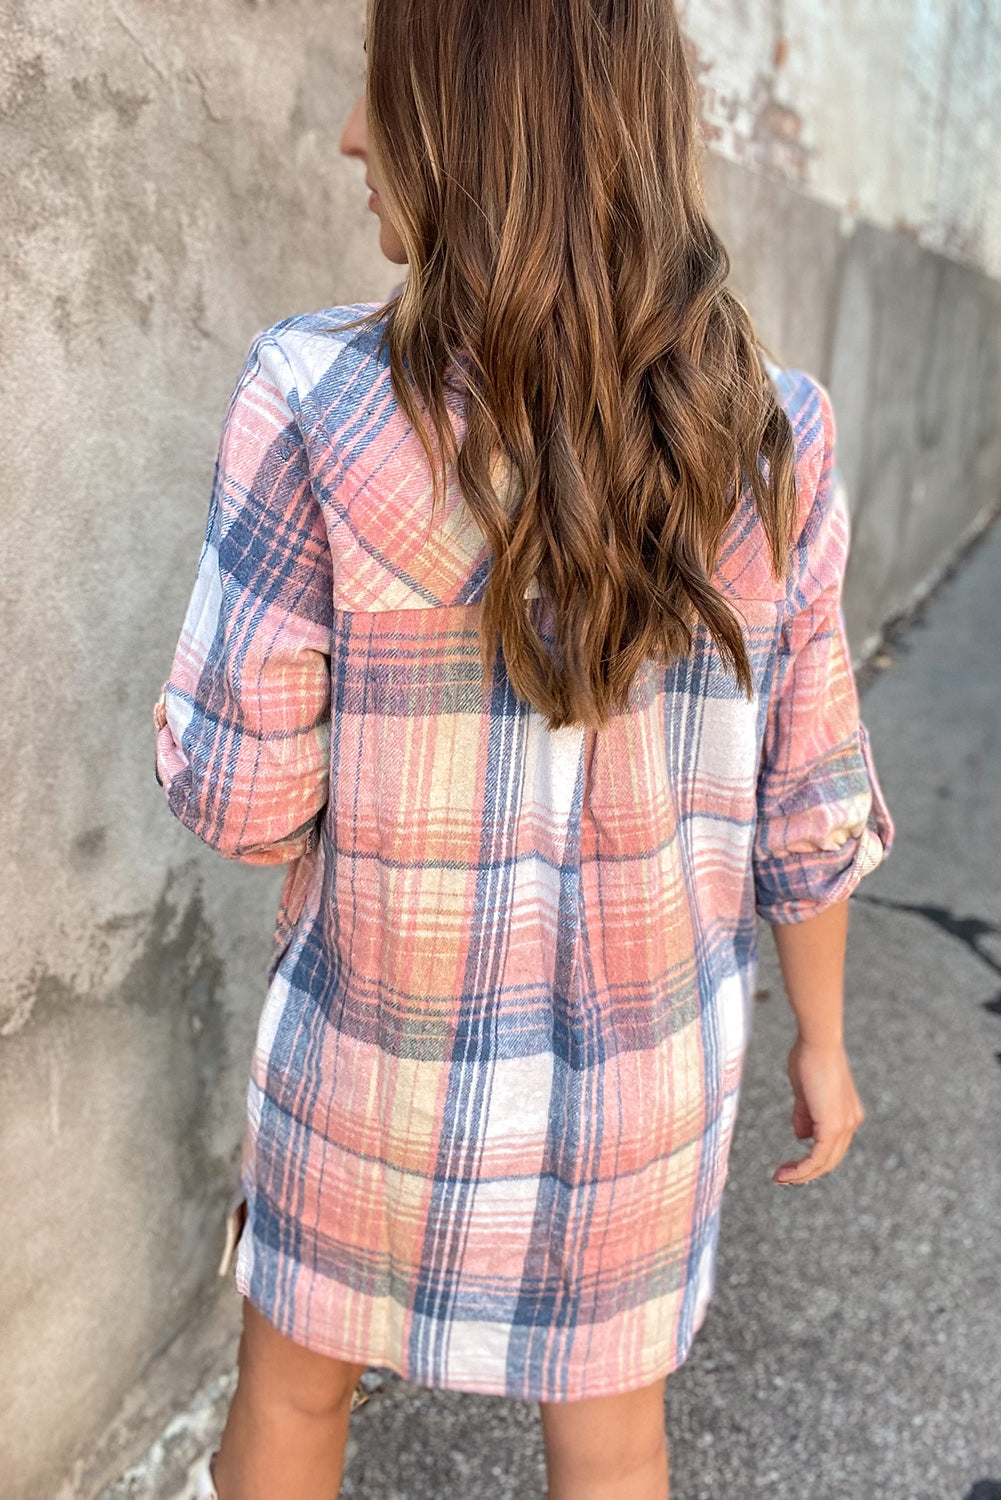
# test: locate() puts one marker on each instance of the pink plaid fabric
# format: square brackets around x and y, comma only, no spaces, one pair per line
[499,1058]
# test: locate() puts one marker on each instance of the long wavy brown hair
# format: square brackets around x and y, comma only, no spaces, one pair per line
[540,162]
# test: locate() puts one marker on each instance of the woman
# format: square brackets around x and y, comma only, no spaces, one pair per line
[517,635]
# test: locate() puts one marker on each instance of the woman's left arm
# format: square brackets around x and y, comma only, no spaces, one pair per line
[243,721]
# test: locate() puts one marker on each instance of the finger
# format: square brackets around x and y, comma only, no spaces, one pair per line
[802,1120]
[822,1159]
[828,1163]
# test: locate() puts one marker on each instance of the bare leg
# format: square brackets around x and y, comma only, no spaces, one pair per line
[607,1447]
[288,1421]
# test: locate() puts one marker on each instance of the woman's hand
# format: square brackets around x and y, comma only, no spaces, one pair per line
[826,1106]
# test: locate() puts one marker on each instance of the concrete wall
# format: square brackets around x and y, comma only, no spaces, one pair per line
[171,184]
[909,343]
[855,174]
[887,110]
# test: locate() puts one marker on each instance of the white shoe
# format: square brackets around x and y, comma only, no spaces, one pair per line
[204,1486]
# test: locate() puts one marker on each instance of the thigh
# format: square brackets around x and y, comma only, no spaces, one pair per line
[285,1373]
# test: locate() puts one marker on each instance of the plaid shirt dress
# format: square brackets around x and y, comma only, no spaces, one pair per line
[497,1068]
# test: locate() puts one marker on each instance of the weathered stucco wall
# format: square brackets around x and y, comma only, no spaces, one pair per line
[888,109]
[171,184]
[909,343]
[855,175]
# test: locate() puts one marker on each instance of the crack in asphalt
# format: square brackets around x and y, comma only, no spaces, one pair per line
[967,929]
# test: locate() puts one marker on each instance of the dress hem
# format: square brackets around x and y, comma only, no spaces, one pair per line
[379,1361]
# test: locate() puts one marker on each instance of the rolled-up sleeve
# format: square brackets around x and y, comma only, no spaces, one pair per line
[822,820]
[243,721]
